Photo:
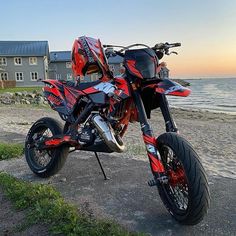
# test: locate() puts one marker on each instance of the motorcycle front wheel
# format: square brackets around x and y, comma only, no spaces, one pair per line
[45,163]
[186,195]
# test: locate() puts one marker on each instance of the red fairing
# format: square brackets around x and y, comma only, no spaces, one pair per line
[90,90]
[170,87]
[54,88]
[149,139]
[57,141]
[156,164]
[131,66]
[121,83]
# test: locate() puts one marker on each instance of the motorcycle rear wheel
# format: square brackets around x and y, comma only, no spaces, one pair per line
[186,195]
[45,163]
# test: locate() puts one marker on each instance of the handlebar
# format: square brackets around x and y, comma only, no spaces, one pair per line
[164,47]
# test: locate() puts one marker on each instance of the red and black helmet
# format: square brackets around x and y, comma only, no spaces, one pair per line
[88,57]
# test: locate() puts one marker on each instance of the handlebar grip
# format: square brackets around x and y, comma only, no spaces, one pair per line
[172,45]
[177,44]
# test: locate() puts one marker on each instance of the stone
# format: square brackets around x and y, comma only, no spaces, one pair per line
[62,180]
[8,94]
[24,93]
[31,95]
[39,100]
[18,94]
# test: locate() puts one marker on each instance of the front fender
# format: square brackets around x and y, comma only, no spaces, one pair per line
[169,87]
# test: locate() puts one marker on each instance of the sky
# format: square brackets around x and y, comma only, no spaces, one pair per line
[206,28]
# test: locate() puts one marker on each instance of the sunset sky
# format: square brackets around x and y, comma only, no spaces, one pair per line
[206,28]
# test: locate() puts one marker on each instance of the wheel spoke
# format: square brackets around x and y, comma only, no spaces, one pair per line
[177,188]
[41,158]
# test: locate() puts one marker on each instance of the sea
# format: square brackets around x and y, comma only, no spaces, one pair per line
[216,95]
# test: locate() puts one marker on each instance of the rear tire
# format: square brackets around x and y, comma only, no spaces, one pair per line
[186,195]
[45,163]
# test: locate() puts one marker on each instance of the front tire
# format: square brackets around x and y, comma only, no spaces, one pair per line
[186,195]
[45,163]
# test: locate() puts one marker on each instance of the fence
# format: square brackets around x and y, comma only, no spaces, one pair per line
[7,84]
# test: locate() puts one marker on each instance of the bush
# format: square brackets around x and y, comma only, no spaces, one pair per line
[8,151]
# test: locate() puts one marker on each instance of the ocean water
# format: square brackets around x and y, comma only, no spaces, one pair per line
[218,95]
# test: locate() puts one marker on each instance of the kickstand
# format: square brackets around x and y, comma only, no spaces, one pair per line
[104,174]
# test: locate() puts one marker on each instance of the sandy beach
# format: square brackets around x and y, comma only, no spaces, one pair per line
[212,135]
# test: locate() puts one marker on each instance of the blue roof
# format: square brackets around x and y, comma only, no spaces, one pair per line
[66,56]
[60,56]
[24,48]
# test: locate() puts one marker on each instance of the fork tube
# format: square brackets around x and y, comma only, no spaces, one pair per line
[145,127]
[149,140]
[169,122]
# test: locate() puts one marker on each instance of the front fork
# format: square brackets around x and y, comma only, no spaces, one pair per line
[154,156]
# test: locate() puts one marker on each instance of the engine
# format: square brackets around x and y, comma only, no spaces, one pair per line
[98,133]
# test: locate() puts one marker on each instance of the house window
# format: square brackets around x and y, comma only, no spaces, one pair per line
[4,76]
[3,61]
[19,76]
[34,76]
[68,65]
[58,76]
[17,61]
[33,60]
[69,77]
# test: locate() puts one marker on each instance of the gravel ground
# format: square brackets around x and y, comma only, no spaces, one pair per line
[126,198]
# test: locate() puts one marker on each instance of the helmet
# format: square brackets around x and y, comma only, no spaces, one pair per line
[88,57]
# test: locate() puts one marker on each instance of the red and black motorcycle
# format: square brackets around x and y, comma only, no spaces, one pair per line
[97,114]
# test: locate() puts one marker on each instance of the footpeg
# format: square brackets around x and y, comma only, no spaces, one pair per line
[160,180]
[152,183]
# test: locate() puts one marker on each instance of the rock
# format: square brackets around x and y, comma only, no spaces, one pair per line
[6,101]
[39,100]
[24,93]
[31,95]
[22,101]
[18,94]
[62,180]
[8,94]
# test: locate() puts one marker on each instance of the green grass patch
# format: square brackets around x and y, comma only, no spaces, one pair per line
[8,151]
[21,89]
[44,204]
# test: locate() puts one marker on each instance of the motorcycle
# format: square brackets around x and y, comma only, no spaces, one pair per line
[97,115]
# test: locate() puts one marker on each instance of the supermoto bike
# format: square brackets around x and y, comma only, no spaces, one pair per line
[97,114]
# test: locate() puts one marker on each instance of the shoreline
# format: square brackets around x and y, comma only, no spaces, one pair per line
[233,113]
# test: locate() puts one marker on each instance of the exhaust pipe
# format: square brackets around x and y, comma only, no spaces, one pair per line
[106,132]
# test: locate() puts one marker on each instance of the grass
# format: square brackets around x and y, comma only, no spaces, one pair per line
[44,204]
[21,89]
[8,151]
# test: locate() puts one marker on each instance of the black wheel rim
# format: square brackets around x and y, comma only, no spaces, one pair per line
[40,158]
[176,190]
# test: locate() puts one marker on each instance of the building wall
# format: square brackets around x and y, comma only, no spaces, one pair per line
[58,70]
[26,69]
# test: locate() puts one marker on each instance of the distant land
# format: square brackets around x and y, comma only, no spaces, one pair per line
[202,78]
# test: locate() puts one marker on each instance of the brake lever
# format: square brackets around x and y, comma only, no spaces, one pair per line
[172,52]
